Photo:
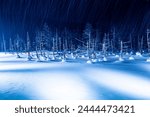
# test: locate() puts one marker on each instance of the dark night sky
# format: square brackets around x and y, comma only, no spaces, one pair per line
[19,16]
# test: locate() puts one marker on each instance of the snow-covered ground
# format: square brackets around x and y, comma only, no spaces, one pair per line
[22,79]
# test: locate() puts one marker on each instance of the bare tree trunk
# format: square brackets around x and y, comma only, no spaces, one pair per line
[37,55]
[4,44]
[148,41]
[121,51]
[28,47]
[141,48]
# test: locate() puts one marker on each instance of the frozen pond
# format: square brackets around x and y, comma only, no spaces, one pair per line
[21,79]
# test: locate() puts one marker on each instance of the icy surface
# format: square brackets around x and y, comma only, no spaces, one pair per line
[22,79]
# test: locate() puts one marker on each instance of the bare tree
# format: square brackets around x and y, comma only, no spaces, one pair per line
[28,47]
[148,40]
[4,43]
[18,45]
[105,46]
[148,44]
[11,48]
[87,35]
[38,45]
[121,51]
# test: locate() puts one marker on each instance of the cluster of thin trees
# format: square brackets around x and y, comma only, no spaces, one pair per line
[61,42]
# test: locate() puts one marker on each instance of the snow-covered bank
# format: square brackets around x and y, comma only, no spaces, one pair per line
[21,79]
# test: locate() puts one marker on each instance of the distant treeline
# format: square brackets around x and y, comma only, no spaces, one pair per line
[91,39]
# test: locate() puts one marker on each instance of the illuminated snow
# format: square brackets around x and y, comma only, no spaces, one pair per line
[63,80]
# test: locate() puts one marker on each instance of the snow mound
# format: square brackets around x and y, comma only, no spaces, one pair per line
[63,60]
[138,54]
[131,58]
[94,60]
[148,60]
[89,62]
[105,59]
[117,56]
[121,59]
